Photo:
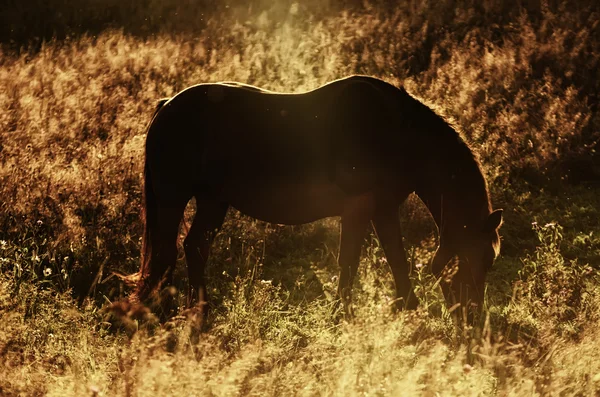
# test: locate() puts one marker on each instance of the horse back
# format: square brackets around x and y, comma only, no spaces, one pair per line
[344,133]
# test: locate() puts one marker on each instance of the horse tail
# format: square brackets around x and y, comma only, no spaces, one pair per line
[149,211]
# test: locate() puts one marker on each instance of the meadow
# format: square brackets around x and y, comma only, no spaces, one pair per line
[520,80]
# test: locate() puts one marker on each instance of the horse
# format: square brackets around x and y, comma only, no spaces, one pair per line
[354,148]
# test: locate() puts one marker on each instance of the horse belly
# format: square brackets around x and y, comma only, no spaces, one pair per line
[289,204]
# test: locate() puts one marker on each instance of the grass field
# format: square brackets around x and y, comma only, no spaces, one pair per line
[78,84]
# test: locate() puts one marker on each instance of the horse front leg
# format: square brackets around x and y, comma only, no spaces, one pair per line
[355,220]
[387,228]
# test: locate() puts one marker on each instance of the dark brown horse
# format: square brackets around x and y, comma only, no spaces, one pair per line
[354,148]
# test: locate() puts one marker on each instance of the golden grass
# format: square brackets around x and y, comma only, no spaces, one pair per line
[518,82]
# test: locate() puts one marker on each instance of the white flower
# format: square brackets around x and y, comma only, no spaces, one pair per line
[47,272]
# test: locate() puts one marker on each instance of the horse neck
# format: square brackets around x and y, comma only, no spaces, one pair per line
[450,181]
[456,192]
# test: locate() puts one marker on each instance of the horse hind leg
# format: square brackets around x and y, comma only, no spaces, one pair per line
[206,224]
[162,249]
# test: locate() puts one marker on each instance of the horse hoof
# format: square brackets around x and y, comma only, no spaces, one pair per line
[128,315]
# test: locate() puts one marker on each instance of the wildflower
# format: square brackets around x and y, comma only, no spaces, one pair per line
[419,266]
[95,390]
[47,272]
[2,243]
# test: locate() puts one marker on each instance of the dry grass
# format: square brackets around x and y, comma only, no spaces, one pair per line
[521,83]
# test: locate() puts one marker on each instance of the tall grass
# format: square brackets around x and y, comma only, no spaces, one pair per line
[77,88]
[262,342]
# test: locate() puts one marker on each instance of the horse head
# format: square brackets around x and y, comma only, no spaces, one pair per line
[464,257]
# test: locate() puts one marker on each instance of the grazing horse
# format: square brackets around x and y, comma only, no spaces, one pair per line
[353,148]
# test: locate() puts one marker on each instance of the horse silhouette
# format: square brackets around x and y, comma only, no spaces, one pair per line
[353,148]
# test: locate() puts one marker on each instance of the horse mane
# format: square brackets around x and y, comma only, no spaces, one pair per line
[461,159]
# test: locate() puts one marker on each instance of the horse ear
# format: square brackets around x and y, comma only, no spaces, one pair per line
[493,222]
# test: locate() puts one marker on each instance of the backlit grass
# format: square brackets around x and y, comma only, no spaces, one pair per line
[520,83]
